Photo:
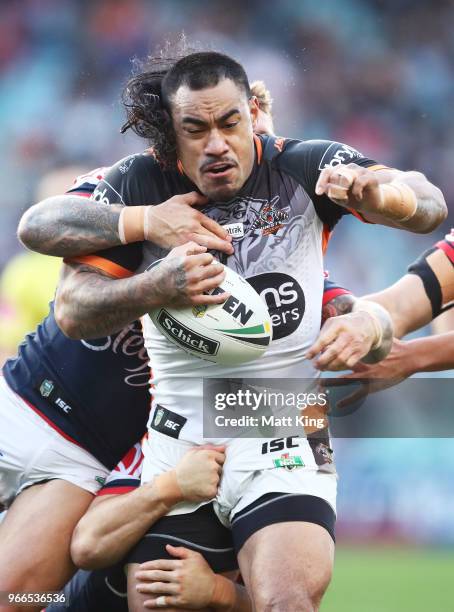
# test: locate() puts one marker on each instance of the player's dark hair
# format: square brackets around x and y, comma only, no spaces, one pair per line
[147,96]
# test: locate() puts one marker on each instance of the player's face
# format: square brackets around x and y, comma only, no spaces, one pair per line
[214,131]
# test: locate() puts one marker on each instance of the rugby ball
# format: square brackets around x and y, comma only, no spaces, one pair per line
[235,332]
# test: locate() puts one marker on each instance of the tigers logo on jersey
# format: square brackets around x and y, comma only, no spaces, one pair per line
[270,219]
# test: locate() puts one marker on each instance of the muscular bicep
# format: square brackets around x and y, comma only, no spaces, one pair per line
[407,303]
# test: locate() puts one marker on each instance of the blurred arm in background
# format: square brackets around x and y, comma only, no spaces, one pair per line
[415,300]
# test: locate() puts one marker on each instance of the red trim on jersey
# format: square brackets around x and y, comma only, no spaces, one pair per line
[115,490]
[333,293]
[83,194]
[448,249]
[49,422]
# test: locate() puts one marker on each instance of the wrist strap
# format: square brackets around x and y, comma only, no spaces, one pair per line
[399,199]
[131,224]
[371,310]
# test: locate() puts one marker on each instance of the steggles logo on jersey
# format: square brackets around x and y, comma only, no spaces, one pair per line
[270,218]
[46,388]
[186,337]
[288,462]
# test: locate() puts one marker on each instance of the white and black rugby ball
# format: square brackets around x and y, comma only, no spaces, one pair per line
[237,331]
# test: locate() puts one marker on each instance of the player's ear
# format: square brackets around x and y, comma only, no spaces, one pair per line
[254,110]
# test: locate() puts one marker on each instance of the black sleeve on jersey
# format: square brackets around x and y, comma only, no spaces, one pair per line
[304,160]
[431,283]
[133,181]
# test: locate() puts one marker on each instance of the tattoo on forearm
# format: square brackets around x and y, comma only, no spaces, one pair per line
[67,226]
[97,305]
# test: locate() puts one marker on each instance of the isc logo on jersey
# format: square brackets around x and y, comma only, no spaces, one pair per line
[237,331]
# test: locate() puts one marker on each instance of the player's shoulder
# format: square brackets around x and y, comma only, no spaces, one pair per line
[324,153]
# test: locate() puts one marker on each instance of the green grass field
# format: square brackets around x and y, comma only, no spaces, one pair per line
[386,579]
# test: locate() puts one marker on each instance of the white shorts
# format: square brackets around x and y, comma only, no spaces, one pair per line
[31,451]
[252,469]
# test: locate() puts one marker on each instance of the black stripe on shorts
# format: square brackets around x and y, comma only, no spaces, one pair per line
[281,508]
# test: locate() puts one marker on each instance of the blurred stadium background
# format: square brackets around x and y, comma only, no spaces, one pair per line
[377,74]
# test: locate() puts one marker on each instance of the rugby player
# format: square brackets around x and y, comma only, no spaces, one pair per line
[286,195]
[60,385]
[69,411]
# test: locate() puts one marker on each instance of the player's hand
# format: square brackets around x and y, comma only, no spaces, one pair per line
[343,341]
[351,186]
[374,378]
[175,222]
[199,471]
[185,277]
[184,582]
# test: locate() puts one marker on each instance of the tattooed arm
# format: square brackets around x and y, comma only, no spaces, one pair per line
[91,304]
[353,330]
[70,225]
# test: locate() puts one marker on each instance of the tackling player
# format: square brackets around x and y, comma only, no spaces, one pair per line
[413,301]
[287,194]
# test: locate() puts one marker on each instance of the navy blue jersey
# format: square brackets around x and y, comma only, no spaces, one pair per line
[94,392]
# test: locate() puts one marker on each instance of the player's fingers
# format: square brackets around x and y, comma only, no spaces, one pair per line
[331,353]
[157,575]
[193,198]
[194,261]
[337,192]
[208,300]
[359,185]
[212,226]
[197,275]
[179,551]
[212,242]
[220,449]
[160,565]
[340,362]
[158,588]
[206,285]
[327,335]
[167,602]
[218,457]
[323,180]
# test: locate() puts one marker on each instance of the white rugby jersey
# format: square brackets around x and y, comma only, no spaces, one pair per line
[280,230]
